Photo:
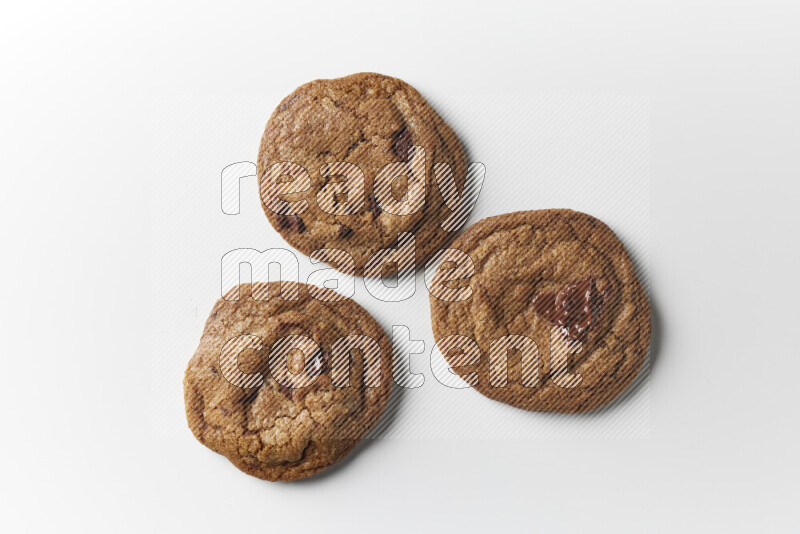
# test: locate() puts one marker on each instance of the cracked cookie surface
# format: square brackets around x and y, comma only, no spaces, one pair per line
[275,431]
[541,274]
[371,121]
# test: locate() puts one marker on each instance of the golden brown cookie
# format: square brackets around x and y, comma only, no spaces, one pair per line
[284,384]
[371,124]
[557,318]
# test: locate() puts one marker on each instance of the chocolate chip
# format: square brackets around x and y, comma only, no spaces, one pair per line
[575,308]
[402,144]
[545,305]
[344,231]
[292,222]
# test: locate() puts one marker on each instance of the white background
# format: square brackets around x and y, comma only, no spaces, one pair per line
[80,85]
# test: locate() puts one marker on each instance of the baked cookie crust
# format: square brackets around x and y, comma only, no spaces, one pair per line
[369,120]
[272,431]
[538,274]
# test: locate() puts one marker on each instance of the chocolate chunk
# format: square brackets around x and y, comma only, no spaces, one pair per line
[575,308]
[402,144]
[344,231]
[545,305]
[292,222]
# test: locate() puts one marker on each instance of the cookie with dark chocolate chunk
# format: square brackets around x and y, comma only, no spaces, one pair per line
[557,315]
[346,130]
[285,384]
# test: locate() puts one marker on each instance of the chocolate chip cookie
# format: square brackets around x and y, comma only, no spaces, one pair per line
[287,379]
[545,312]
[349,164]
